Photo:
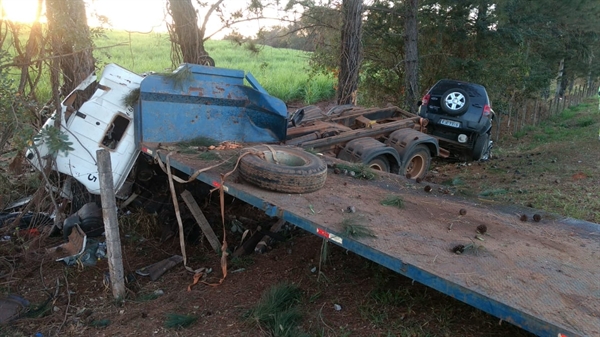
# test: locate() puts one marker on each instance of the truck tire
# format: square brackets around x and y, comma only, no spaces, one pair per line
[379,163]
[293,170]
[416,163]
[455,102]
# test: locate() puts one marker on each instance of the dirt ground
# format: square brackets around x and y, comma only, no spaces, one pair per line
[350,296]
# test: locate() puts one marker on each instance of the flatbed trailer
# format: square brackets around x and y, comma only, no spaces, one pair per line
[541,276]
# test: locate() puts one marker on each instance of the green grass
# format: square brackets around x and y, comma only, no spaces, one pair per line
[358,171]
[277,312]
[283,73]
[352,226]
[394,201]
[209,155]
[177,321]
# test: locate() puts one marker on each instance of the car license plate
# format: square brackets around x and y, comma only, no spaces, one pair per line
[450,123]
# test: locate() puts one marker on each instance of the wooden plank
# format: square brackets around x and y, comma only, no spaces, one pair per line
[201,220]
[111,224]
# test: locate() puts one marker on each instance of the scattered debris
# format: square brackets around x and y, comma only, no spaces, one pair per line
[537,217]
[71,250]
[482,229]
[11,307]
[21,202]
[337,307]
[226,146]
[157,269]
[443,190]
[458,249]
[427,188]
[88,218]
[462,211]
[350,209]
[26,220]
[266,240]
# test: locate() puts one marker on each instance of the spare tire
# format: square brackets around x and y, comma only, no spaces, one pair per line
[283,169]
[455,102]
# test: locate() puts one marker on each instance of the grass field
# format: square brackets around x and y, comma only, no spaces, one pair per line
[284,73]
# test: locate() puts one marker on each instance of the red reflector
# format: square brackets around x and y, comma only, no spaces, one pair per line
[322,233]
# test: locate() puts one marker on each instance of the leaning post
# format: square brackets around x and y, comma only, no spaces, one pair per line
[111,224]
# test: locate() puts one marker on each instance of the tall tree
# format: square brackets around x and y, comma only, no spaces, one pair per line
[187,39]
[411,54]
[351,52]
[72,44]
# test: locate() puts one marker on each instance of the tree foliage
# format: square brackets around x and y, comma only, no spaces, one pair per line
[513,47]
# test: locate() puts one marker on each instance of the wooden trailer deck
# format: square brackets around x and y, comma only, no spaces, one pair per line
[542,276]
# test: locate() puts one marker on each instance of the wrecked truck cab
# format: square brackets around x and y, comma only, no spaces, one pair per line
[192,102]
[94,116]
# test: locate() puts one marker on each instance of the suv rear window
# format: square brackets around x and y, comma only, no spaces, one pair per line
[473,90]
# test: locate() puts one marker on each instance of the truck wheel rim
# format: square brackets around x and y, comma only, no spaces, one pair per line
[415,167]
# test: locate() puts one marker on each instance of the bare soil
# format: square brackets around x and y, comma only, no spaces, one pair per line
[350,296]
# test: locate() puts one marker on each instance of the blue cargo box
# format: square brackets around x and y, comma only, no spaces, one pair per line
[206,102]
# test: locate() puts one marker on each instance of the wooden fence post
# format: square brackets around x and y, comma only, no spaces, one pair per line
[111,224]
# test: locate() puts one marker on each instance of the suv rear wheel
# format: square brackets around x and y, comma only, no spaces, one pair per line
[482,148]
[455,102]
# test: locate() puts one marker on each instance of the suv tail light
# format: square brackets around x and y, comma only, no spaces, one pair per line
[425,99]
[487,111]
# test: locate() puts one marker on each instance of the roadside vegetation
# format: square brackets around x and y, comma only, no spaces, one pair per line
[545,157]
[552,166]
[284,73]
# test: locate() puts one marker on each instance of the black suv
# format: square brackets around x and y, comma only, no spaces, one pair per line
[460,116]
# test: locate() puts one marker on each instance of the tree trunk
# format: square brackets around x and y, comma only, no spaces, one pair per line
[561,69]
[186,39]
[351,52]
[34,44]
[411,77]
[67,24]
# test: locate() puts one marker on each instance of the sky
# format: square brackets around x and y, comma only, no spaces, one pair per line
[132,15]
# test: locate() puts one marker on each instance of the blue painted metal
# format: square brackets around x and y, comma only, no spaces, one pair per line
[475,299]
[208,102]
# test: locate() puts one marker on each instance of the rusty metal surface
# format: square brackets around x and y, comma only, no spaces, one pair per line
[548,270]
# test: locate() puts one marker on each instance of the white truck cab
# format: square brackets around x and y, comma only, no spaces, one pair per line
[95,116]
